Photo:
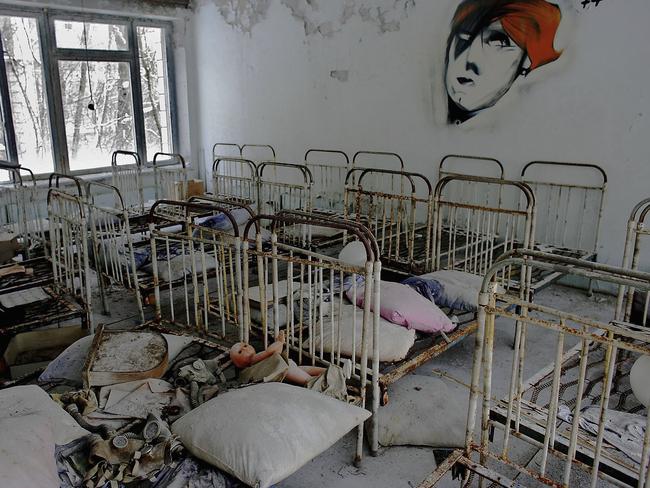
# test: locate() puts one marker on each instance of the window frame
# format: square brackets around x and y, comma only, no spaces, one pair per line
[51,55]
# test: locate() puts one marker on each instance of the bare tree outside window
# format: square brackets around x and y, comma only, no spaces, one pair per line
[22,55]
[151,44]
[97,104]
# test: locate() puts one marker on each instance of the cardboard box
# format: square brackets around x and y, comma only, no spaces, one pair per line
[8,246]
[192,189]
[32,350]
[195,188]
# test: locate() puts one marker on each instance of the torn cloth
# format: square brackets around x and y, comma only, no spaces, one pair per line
[624,431]
[184,473]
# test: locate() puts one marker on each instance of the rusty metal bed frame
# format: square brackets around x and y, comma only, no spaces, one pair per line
[285,186]
[127,178]
[268,148]
[69,291]
[397,206]
[286,271]
[637,233]
[592,371]
[234,177]
[222,149]
[470,238]
[207,302]
[22,209]
[275,193]
[198,260]
[28,208]
[570,212]
[169,174]
[375,158]
[494,167]
[113,255]
[240,149]
[458,164]
[470,234]
[329,177]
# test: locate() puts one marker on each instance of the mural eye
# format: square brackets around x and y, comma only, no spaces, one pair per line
[498,39]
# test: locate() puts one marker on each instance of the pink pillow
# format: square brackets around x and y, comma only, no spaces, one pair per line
[402,305]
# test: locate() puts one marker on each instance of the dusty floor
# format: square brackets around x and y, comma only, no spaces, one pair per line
[408,466]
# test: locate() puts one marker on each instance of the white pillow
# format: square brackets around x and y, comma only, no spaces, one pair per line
[640,380]
[261,434]
[256,316]
[255,295]
[68,366]
[354,254]
[394,341]
[27,453]
[424,411]
[179,266]
[20,401]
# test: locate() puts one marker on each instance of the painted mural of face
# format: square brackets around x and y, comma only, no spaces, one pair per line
[482,69]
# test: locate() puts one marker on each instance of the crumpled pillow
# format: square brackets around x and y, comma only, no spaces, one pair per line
[424,411]
[32,424]
[453,289]
[221,222]
[179,266]
[395,342]
[402,305]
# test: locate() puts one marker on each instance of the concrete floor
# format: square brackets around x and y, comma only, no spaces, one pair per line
[408,466]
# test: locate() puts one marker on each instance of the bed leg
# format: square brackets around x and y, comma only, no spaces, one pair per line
[590,289]
[517,325]
[383,398]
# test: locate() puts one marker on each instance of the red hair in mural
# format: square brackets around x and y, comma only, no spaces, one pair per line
[532,24]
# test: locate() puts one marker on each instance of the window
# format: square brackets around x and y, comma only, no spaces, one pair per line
[106,86]
[27,104]
[153,77]
[93,135]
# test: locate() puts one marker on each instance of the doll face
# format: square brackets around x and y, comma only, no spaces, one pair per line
[242,354]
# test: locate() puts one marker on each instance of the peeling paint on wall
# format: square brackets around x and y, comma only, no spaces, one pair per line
[340,74]
[326,17]
[243,14]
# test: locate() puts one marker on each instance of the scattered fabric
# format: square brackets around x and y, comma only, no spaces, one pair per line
[456,290]
[624,431]
[331,383]
[273,368]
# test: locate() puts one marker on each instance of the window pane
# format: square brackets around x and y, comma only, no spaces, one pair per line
[93,135]
[4,154]
[70,34]
[155,95]
[22,54]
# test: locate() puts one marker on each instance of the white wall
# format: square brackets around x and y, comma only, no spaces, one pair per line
[273,85]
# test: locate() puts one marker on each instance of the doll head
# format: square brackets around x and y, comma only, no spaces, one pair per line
[241,355]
